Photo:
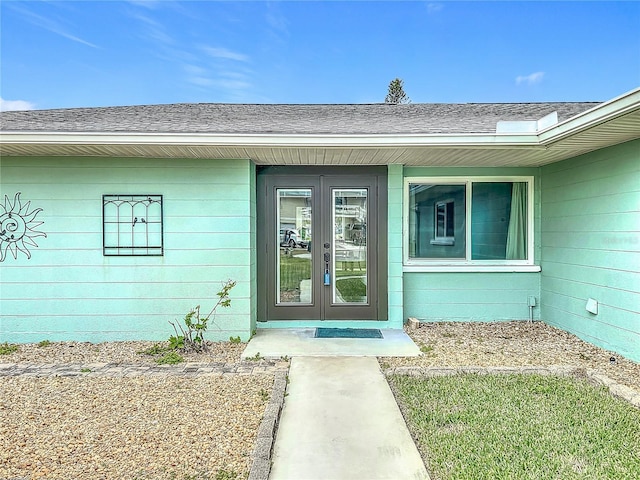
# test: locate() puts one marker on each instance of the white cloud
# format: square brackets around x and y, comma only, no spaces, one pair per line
[531,79]
[224,53]
[434,8]
[153,31]
[51,25]
[12,105]
[200,81]
[275,19]
[233,85]
[194,69]
[151,4]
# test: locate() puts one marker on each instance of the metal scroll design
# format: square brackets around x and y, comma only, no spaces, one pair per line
[18,226]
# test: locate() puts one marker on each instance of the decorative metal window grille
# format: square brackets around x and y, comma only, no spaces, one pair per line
[132,225]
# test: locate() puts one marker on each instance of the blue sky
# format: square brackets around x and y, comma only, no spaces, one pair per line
[89,53]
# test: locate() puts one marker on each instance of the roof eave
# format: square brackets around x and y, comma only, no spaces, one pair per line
[607,124]
[267,140]
[605,112]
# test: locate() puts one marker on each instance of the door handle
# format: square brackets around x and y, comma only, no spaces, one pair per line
[327,275]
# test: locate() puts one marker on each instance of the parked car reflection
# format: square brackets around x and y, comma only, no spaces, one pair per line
[290,237]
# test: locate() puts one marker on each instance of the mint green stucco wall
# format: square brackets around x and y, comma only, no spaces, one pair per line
[69,290]
[474,296]
[253,259]
[395,287]
[591,246]
[470,297]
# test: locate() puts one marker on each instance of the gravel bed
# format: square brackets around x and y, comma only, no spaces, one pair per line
[142,428]
[512,344]
[129,428]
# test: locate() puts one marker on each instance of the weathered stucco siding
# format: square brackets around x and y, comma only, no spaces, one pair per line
[476,296]
[591,246]
[69,290]
[394,242]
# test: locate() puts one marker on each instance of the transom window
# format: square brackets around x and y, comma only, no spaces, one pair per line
[132,225]
[469,221]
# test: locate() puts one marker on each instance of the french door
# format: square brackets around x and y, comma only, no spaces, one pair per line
[322,246]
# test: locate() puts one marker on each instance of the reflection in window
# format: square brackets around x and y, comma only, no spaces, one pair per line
[444,227]
[294,265]
[437,227]
[349,218]
[440,226]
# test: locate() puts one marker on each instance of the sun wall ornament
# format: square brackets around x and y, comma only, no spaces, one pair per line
[18,227]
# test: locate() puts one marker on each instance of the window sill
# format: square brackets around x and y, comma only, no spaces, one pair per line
[470,268]
[446,241]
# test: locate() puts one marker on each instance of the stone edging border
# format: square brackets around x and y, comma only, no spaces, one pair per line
[593,376]
[261,456]
[103,369]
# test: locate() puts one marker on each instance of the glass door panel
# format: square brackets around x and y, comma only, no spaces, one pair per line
[349,221]
[294,275]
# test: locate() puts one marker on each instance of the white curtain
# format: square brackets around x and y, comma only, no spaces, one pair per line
[517,233]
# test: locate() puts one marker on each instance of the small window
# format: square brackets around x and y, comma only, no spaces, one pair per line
[132,225]
[444,222]
[474,220]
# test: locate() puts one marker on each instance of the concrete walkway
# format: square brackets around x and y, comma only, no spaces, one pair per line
[340,421]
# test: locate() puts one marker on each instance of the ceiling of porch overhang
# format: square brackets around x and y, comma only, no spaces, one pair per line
[484,150]
[410,156]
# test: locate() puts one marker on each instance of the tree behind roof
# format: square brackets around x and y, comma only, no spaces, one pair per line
[396,92]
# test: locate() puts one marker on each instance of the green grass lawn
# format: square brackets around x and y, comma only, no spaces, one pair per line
[293,270]
[351,289]
[473,426]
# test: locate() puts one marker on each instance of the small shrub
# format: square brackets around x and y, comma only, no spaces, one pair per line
[190,337]
[255,358]
[44,343]
[226,475]
[7,348]
[170,358]
[264,395]
[157,349]
[176,342]
[235,339]
[426,349]
[85,370]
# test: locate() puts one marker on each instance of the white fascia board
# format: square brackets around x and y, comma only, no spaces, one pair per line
[265,140]
[602,113]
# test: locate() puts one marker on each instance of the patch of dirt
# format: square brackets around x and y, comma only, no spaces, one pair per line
[512,344]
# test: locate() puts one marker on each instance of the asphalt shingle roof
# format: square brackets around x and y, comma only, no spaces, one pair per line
[215,118]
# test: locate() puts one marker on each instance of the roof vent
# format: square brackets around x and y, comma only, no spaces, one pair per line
[527,126]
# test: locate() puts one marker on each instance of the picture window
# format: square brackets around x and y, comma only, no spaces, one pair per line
[469,220]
